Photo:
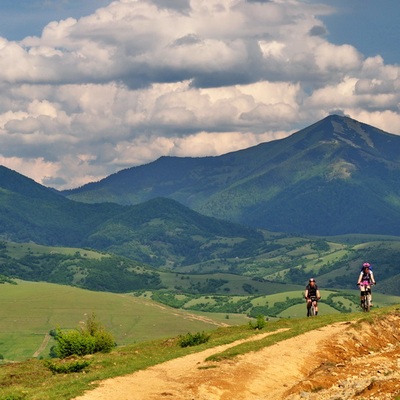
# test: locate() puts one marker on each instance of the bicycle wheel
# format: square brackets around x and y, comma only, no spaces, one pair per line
[367,303]
[312,310]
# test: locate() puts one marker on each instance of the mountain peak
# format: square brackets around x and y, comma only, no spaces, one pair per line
[351,131]
[315,181]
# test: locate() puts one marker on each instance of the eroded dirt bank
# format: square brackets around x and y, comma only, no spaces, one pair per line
[340,361]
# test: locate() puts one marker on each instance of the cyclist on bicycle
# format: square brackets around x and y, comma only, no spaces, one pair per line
[312,296]
[365,280]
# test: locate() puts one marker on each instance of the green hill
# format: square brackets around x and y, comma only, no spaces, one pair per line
[76,267]
[159,232]
[279,264]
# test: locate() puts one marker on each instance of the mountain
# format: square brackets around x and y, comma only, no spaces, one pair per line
[162,232]
[205,255]
[336,176]
[158,232]
[32,212]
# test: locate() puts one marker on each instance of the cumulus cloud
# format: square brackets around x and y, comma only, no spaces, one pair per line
[138,79]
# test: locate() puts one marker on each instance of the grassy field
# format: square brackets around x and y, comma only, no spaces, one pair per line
[29,310]
[19,250]
[32,380]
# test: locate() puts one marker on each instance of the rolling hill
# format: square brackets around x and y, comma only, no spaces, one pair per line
[336,176]
[158,232]
[146,242]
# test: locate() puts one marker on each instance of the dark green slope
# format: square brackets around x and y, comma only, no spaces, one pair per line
[31,212]
[327,186]
[336,176]
[160,232]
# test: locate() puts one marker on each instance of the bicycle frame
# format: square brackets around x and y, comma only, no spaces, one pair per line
[366,301]
[313,312]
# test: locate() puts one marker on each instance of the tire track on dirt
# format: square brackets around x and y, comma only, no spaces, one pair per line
[42,346]
[264,374]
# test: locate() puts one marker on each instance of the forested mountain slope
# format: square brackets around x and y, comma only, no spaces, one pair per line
[337,176]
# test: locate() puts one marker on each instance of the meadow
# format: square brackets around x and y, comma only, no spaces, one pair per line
[33,380]
[30,310]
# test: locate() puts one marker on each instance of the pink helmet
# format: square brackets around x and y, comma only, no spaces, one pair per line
[366,265]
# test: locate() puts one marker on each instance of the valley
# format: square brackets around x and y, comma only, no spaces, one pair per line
[209,245]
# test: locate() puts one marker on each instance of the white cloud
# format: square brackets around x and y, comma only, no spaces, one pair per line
[139,79]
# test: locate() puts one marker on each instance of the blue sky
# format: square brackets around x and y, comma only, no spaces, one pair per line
[91,87]
[369,25]
[21,18]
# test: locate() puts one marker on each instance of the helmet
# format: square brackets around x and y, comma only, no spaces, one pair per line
[311,280]
[366,265]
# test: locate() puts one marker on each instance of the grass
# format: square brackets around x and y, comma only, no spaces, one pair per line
[19,250]
[31,309]
[33,380]
[299,311]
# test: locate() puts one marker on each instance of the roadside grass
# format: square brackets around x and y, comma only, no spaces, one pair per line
[299,311]
[33,380]
[286,329]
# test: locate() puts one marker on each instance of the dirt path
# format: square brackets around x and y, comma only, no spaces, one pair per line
[190,377]
[42,346]
[340,361]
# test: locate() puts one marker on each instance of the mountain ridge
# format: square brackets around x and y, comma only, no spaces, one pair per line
[280,185]
[157,232]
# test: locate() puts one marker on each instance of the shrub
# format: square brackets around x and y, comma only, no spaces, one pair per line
[90,339]
[91,326]
[259,324]
[67,367]
[74,343]
[104,341]
[193,339]
[14,397]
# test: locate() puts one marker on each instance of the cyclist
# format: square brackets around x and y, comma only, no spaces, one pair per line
[312,295]
[365,280]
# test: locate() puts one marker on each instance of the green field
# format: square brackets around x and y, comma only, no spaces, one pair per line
[19,250]
[32,379]
[29,310]
[140,326]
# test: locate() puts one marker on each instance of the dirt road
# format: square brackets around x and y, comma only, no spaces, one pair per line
[42,346]
[340,361]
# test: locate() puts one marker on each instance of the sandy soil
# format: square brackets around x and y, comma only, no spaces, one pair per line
[340,361]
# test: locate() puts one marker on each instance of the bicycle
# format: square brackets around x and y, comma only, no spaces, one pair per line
[313,311]
[366,301]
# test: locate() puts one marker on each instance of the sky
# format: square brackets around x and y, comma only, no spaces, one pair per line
[88,88]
